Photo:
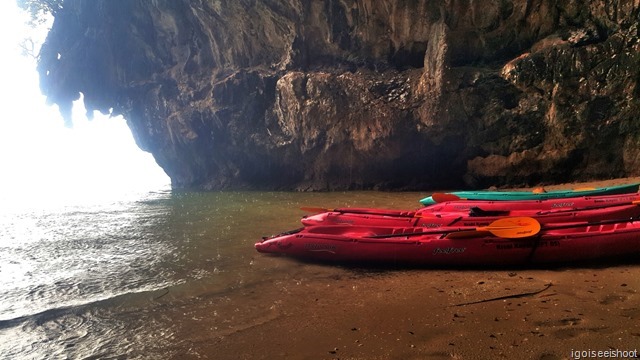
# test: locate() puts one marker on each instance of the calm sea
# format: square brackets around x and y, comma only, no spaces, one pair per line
[93,277]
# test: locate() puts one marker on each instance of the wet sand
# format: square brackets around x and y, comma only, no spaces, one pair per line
[328,312]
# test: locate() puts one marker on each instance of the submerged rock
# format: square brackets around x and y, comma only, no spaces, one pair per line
[359,94]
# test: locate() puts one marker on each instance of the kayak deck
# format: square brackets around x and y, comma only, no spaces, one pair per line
[531,195]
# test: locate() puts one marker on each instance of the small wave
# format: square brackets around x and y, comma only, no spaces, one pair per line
[98,329]
[46,315]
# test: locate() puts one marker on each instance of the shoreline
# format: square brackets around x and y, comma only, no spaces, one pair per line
[335,312]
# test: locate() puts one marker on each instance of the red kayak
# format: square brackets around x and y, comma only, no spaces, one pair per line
[487,205]
[558,243]
[475,217]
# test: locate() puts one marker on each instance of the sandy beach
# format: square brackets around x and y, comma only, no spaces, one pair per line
[558,312]
[418,314]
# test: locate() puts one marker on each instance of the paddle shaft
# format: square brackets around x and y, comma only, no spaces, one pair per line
[481,229]
[551,212]
[392,213]
[516,230]
[514,227]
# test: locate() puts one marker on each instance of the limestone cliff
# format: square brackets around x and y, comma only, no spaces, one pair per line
[345,94]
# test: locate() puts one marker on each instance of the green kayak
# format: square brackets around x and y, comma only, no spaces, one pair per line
[529,195]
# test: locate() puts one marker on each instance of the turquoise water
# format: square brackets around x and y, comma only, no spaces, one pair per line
[96,276]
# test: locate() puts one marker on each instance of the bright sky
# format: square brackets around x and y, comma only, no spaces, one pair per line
[38,153]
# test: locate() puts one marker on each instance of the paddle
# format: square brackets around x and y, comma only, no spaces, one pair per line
[476,211]
[528,225]
[509,227]
[398,213]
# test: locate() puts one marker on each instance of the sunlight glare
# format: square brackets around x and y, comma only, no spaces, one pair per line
[39,155]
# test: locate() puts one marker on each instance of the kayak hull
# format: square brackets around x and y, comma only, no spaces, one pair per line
[529,195]
[348,244]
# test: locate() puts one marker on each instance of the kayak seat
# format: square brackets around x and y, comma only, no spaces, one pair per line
[476,211]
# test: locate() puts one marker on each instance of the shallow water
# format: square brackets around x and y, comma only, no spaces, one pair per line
[104,278]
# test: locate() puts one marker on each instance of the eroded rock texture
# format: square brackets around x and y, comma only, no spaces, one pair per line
[344,94]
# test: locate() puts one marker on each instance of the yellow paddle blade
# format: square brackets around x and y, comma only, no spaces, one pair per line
[508,228]
[513,227]
[584,189]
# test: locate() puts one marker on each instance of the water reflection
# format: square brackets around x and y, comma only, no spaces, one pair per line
[137,277]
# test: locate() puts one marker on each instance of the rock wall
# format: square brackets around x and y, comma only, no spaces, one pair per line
[351,94]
